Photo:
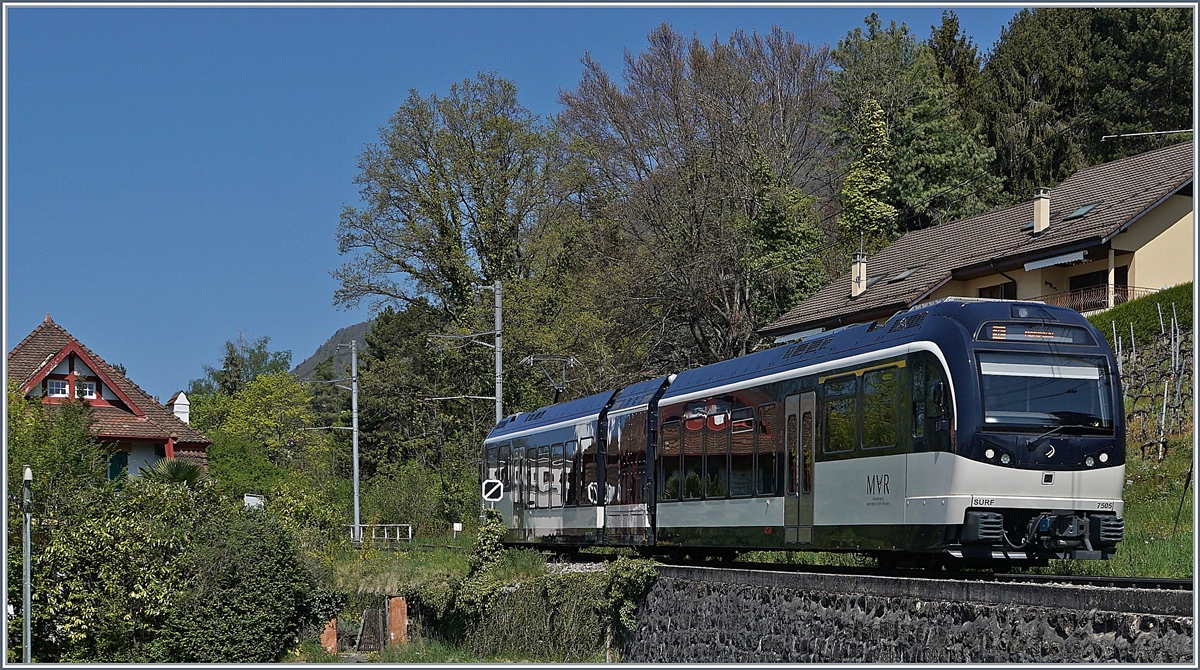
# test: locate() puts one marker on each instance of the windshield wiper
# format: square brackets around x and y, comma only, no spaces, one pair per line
[1031,443]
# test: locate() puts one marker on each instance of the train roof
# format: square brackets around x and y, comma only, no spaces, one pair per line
[904,326]
[638,394]
[552,414]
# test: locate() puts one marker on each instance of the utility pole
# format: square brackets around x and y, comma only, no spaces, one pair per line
[498,331]
[356,531]
[356,537]
[26,600]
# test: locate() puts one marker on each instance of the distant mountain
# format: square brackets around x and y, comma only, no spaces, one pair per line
[356,332]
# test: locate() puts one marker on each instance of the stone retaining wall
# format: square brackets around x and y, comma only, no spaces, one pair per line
[691,615]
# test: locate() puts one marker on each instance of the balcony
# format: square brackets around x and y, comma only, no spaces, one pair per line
[1095,298]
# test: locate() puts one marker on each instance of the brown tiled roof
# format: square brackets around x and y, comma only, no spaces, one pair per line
[32,354]
[1125,189]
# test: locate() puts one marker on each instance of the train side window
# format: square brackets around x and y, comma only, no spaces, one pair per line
[543,477]
[529,479]
[741,453]
[767,450]
[881,398]
[504,460]
[806,451]
[556,475]
[841,414]
[793,451]
[693,452]
[493,462]
[669,466]
[716,455]
[570,479]
[587,471]
[916,372]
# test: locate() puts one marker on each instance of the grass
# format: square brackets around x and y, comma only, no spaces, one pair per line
[424,650]
[1154,546]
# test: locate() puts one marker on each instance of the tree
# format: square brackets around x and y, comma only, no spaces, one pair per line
[176,471]
[865,216]
[679,164]
[450,190]
[244,361]
[938,161]
[273,410]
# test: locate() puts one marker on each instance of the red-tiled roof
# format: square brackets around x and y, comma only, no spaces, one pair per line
[27,360]
[1125,189]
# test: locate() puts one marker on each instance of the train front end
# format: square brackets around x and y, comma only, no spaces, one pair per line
[1041,446]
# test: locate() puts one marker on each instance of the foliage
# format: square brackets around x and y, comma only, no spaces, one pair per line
[273,409]
[864,213]
[176,471]
[1059,79]
[104,582]
[1143,313]
[450,190]
[56,442]
[150,571]
[489,543]
[248,595]
[936,158]
[676,170]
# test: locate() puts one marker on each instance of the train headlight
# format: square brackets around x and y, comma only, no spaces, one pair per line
[989,454]
[1005,459]
[1104,457]
[1089,461]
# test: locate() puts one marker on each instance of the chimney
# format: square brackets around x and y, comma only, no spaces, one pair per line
[858,275]
[180,406]
[1041,209]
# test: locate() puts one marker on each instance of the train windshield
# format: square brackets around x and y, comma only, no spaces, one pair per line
[1038,391]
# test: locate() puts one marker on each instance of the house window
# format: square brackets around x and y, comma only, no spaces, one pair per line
[56,388]
[1005,291]
[86,389]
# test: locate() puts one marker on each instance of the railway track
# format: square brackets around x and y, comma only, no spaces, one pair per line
[1150,583]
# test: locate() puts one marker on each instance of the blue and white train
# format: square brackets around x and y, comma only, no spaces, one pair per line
[959,429]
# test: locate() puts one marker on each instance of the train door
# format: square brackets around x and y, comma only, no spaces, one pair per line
[798,436]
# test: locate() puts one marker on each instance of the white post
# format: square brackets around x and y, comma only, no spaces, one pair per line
[356,537]
[27,601]
[1112,277]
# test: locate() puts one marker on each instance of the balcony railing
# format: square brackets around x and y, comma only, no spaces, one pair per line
[1095,298]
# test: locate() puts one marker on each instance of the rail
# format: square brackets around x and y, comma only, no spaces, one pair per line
[384,535]
[1095,298]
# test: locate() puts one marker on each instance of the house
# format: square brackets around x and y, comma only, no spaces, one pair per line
[52,365]
[1107,234]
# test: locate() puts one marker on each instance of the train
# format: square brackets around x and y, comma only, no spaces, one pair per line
[959,431]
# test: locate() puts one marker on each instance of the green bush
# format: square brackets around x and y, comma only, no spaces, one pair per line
[1143,314]
[247,594]
[159,572]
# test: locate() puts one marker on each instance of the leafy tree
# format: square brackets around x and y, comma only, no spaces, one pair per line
[938,161]
[273,409]
[678,165]
[450,190]
[864,213]
[56,442]
[244,361]
[959,65]
[1059,79]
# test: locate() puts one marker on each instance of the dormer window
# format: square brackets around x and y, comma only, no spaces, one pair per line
[86,390]
[56,388]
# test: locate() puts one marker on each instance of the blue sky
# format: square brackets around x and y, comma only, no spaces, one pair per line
[174,176]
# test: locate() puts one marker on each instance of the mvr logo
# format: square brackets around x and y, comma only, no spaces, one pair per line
[877,485]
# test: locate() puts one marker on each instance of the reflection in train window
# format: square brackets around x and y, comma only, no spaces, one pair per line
[767,450]
[741,453]
[669,487]
[881,399]
[693,456]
